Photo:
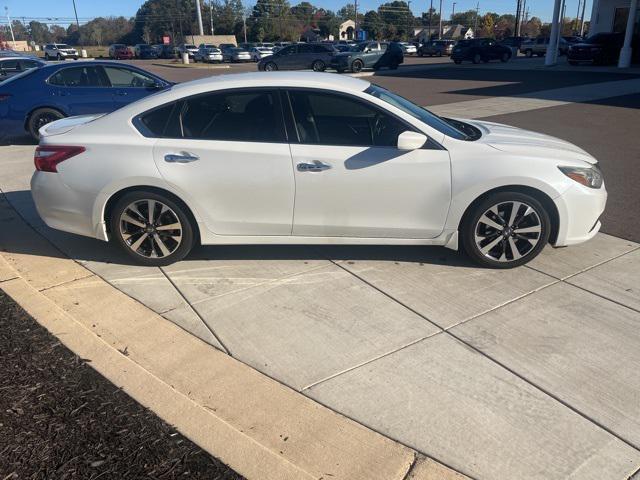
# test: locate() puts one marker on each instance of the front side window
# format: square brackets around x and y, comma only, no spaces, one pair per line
[329,119]
[10,66]
[239,116]
[123,77]
[77,77]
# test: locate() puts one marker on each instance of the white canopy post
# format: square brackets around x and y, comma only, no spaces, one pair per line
[552,53]
[625,53]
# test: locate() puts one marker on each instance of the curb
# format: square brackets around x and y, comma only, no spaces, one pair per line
[259,427]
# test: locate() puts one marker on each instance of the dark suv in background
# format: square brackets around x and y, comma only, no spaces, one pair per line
[480,50]
[300,56]
[436,47]
[599,49]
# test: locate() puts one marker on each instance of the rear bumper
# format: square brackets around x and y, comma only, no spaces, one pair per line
[62,208]
[580,209]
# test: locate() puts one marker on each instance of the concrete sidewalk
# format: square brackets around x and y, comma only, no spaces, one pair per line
[526,373]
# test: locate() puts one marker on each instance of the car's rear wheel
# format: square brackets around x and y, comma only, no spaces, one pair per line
[151,228]
[477,58]
[505,230]
[505,57]
[318,66]
[357,66]
[270,67]
[528,53]
[39,118]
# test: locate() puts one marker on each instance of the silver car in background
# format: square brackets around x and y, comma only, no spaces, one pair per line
[235,54]
[208,52]
[258,53]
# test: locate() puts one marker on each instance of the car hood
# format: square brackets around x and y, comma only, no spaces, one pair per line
[585,45]
[516,140]
[344,54]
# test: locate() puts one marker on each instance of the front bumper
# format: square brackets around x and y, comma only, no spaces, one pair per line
[62,208]
[214,58]
[579,209]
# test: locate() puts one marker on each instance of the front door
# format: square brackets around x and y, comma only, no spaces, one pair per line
[227,152]
[128,85]
[351,180]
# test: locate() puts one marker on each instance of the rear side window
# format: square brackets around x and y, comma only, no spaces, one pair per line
[77,77]
[240,116]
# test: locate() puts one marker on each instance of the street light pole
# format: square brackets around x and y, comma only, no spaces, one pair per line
[211,14]
[199,13]
[430,14]
[409,15]
[440,26]
[75,11]
[13,39]
[453,10]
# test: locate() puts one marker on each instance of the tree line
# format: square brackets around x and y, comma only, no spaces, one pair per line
[267,20]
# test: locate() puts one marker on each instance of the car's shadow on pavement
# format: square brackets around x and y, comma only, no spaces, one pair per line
[85,249]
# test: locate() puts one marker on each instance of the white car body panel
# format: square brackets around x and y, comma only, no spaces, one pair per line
[416,197]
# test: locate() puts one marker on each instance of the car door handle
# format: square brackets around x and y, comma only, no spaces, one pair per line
[182,157]
[316,166]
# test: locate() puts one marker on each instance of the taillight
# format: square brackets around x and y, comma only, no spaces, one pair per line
[47,157]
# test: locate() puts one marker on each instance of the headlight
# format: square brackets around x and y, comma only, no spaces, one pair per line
[589,177]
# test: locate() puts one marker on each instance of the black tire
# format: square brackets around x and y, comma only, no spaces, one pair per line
[420,53]
[187,230]
[528,53]
[457,62]
[270,67]
[477,58]
[504,58]
[471,225]
[58,57]
[39,118]
[318,66]
[46,57]
[439,54]
[357,66]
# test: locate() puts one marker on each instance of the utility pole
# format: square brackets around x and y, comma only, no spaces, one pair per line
[199,13]
[13,39]
[518,11]
[355,10]
[577,24]
[78,25]
[430,14]
[584,4]
[522,17]
[475,27]
[211,14]
[409,15]
[244,26]
[453,10]
[440,26]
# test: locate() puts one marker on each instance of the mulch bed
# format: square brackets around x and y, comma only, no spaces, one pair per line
[60,419]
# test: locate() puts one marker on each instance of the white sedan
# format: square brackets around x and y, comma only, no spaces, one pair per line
[310,158]
[258,53]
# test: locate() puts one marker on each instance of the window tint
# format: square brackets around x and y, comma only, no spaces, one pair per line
[29,63]
[77,77]
[329,119]
[290,50]
[320,49]
[123,77]
[248,116]
[10,66]
[162,122]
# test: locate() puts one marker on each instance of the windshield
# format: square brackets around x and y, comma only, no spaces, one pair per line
[20,75]
[62,46]
[416,111]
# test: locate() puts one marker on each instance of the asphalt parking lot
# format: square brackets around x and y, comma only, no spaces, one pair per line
[526,373]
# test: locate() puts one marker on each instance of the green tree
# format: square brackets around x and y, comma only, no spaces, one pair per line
[373,25]
[398,19]
[39,32]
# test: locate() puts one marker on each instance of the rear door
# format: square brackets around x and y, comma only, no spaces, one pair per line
[287,58]
[82,89]
[128,85]
[227,151]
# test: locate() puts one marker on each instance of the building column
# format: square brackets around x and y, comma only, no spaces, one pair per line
[552,52]
[625,52]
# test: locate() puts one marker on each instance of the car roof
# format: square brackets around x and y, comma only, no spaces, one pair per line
[21,57]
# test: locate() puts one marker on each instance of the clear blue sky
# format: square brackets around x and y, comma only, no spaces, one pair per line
[94,8]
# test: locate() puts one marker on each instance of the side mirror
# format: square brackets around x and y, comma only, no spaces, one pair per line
[411,140]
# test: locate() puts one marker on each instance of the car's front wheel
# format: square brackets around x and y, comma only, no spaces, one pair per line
[477,58]
[151,228]
[318,66]
[505,230]
[505,57]
[357,66]
[39,118]
[270,67]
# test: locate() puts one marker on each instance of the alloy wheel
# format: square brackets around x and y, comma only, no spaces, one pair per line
[150,228]
[508,231]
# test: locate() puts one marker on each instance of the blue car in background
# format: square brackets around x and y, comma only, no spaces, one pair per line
[39,96]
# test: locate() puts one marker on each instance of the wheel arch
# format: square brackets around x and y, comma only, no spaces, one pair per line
[27,117]
[546,201]
[113,200]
